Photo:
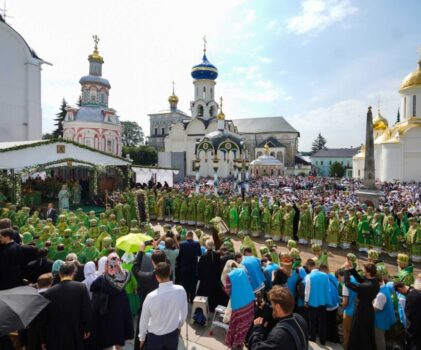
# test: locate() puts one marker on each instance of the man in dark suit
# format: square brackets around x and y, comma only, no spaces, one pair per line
[51,213]
[11,261]
[187,260]
[39,266]
[68,315]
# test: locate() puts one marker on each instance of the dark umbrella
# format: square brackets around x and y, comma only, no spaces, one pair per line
[18,307]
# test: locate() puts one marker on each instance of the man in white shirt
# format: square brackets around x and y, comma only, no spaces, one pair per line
[164,312]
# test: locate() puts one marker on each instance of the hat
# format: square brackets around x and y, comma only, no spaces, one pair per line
[403,258]
[291,244]
[352,258]
[264,251]
[373,254]
[270,243]
[316,247]
[294,253]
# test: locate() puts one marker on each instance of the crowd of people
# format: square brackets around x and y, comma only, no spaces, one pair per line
[102,296]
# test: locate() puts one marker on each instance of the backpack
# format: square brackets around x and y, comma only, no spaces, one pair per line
[300,339]
[199,317]
[300,287]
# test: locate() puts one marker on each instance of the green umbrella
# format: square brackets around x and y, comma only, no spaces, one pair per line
[130,243]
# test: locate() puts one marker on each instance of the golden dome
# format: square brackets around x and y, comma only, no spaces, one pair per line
[173,98]
[412,79]
[221,115]
[95,56]
[379,122]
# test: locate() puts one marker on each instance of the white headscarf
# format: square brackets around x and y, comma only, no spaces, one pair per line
[90,274]
[101,266]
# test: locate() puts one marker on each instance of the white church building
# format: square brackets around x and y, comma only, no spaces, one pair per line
[20,87]
[177,135]
[397,148]
[94,124]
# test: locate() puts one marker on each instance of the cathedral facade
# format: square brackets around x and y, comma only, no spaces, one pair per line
[177,135]
[93,123]
[397,147]
[20,86]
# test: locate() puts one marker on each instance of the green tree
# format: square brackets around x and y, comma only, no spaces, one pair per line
[142,155]
[47,136]
[60,119]
[132,134]
[318,144]
[337,170]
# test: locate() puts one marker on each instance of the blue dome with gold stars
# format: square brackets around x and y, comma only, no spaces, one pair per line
[204,70]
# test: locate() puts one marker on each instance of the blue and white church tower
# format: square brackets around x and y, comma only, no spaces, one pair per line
[204,75]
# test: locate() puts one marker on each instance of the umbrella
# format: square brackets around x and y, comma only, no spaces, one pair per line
[130,243]
[18,307]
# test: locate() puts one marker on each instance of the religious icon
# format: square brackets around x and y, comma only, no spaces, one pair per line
[61,149]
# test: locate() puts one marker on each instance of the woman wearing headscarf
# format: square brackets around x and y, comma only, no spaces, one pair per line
[89,271]
[101,266]
[112,320]
[237,285]
[55,270]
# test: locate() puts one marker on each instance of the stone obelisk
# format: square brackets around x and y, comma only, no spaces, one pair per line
[369,166]
[369,194]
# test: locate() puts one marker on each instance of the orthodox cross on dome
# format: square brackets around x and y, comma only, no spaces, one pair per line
[378,104]
[419,51]
[96,41]
[205,42]
[173,86]
[221,102]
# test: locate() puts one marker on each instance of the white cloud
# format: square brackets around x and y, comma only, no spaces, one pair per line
[265,59]
[274,27]
[319,14]
[250,16]
[250,72]
[283,72]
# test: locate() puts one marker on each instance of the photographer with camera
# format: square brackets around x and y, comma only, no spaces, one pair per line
[290,330]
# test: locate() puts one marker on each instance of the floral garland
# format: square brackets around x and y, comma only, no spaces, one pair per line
[13,184]
[47,142]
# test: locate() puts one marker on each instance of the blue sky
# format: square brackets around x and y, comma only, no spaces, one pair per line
[318,63]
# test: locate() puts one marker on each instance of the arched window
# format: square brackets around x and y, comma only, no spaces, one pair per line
[200,111]
[272,154]
[204,92]
[414,106]
[212,93]
[93,95]
[211,111]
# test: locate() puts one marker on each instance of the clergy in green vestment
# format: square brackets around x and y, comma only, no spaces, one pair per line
[244,220]
[305,225]
[266,221]
[288,223]
[233,222]
[413,240]
[332,234]
[255,228]
[319,226]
